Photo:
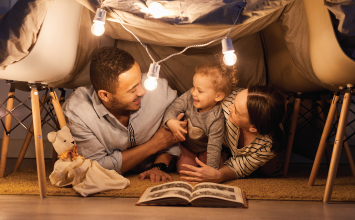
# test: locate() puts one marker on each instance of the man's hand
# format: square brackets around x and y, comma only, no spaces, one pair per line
[155,175]
[164,138]
[178,128]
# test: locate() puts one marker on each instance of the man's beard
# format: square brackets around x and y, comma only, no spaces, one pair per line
[117,105]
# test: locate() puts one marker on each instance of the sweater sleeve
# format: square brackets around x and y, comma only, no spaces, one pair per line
[179,105]
[215,140]
[252,157]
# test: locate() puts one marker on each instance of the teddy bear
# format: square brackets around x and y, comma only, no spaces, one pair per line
[64,144]
[86,176]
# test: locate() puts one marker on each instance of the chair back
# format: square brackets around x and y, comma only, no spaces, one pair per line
[282,73]
[330,64]
[53,55]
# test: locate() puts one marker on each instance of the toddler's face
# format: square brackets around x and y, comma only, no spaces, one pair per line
[204,93]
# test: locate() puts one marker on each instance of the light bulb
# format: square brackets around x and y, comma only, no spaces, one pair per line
[98,28]
[150,83]
[156,9]
[153,74]
[229,58]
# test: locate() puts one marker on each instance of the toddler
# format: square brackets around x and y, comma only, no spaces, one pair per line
[205,120]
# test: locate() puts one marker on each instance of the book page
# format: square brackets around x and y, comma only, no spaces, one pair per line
[218,191]
[177,189]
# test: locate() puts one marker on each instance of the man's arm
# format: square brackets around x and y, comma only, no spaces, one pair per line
[162,139]
[121,161]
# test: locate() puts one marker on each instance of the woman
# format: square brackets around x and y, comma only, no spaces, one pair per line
[253,135]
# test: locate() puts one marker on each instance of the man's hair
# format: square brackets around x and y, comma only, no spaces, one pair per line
[223,77]
[266,108]
[107,63]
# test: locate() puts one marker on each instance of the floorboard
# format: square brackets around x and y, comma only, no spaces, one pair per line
[90,208]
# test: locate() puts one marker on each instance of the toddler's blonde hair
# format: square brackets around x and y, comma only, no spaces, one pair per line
[223,77]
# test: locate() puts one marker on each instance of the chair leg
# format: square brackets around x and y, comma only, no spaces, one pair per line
[61,102]
[323,143]
[6,136]
[291,135]
[337,146]
[27,140]
[58,109]
[37,127]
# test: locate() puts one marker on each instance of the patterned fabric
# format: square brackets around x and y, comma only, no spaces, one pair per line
[244,160]
[73,154]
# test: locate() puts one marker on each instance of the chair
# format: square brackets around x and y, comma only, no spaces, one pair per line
[333,67]
[284,76]
[52,59]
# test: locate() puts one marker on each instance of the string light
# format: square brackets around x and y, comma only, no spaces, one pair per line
[98,27]
[229,57]
[153,74]
[157,11]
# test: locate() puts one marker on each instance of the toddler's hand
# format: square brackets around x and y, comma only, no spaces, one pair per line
[177,127]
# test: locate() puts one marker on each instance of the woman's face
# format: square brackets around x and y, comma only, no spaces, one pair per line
[238,111]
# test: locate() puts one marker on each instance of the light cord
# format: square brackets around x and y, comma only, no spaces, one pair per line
[237,17]
[197,45]
[143,45]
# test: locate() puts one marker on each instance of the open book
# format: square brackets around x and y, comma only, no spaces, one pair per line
[202,194]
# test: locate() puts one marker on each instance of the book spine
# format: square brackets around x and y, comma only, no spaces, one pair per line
[245,200]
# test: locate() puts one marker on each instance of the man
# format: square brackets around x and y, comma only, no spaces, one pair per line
[117,123]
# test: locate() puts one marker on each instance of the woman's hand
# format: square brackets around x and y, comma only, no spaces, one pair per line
[203,173]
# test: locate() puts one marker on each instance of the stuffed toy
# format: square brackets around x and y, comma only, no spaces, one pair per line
[86,176]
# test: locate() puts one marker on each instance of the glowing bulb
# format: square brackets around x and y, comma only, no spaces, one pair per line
[229,58]
[150,83]
[156,9]
[153,74]
[98,28]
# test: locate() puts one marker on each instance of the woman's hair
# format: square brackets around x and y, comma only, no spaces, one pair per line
[107,63]
[223,77]
[266,108]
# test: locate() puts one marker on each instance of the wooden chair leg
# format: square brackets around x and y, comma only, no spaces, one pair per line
[6,137]
[37,127]
[323,143]
[337,146]
[61,102]
[291,135]
[58,109]
[27,140]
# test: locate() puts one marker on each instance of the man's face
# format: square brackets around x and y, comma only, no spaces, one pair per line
[129,91]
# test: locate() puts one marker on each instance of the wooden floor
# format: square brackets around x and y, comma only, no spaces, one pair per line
[65,207]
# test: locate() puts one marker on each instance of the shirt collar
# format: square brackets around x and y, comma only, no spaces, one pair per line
[99,108]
